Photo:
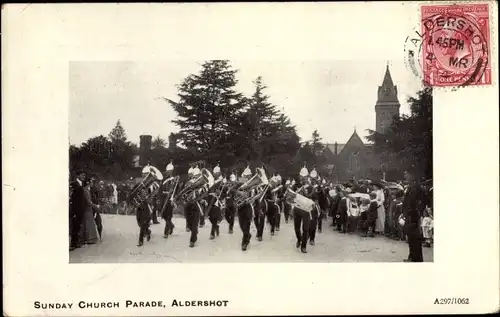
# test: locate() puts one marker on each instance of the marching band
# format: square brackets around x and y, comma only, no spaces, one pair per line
[252,196]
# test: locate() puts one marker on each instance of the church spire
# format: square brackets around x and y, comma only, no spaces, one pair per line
[387,105]
[387,83]
[387,92]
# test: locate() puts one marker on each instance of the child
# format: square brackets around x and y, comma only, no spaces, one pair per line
[427,227]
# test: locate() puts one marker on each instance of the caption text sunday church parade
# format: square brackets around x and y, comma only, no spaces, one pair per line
[239,159]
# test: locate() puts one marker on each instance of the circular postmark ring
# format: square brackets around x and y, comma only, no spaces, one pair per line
[455,50]
[413,54]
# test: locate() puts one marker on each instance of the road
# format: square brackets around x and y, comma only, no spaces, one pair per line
[119,245]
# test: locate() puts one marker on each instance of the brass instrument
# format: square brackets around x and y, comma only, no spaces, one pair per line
[147,188]
[197,188]
[170,192]
[258,184]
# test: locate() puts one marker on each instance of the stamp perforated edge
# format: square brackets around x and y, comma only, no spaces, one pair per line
[492,47]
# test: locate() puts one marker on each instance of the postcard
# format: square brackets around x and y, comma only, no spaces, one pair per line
[250,159]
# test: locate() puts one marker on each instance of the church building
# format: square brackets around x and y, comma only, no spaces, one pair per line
[355,158]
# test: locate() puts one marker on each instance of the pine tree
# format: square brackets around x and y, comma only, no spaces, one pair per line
[261,120]
[316,146]
[118,133]
[208,110]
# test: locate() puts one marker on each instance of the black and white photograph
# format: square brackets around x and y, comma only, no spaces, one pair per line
[227,161]
[221,159]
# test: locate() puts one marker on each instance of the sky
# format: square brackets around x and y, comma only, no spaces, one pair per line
[333,96]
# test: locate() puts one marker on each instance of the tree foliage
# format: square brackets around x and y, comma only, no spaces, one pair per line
[110,157]
[208,109]
[158,143]
[407,143]
[222,125]
[117,133]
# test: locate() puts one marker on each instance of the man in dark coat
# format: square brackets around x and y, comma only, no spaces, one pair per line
[334,206]
[245,214]
[412,211]
[77,207]
[193,212]
[143,217]
[368,225]
[96,197]
[341,216]
[230,212]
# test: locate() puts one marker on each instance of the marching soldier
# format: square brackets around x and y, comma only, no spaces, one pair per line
[245,213]
[143,217]
[193,212]
[168,189]
[190,171]
[301,222]
[196,170]
[170,169]
[304,172]
[232,177]
[287,207]
[247,173]
[146,169]
[315,217]
[214,212]
[216,171]
[230,211]
[314,174]
[259,216]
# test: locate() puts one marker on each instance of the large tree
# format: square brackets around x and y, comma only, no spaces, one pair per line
[117,133]
[407,143]
[317,147]
[260,123]
[208,110]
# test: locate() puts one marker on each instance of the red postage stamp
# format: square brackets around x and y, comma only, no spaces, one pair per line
[455,44]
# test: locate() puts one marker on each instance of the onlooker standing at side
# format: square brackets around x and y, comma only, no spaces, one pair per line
[412,210]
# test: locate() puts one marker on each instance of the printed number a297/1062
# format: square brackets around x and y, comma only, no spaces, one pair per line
[451,301]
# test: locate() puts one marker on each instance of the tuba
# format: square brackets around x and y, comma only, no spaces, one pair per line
[196,188]
[147,188]
[252,189]
[298,201]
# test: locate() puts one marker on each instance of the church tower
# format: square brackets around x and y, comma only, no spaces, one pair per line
[387,105]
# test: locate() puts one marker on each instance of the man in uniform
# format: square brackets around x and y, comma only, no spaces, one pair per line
[302,221]
[230,211]
[167,191]
[216,171]
[169,170]
[247,173]
[245,213]
[143,217]
[193,212]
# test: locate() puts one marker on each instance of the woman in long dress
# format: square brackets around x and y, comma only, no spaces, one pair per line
[380,222]
[89,234]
